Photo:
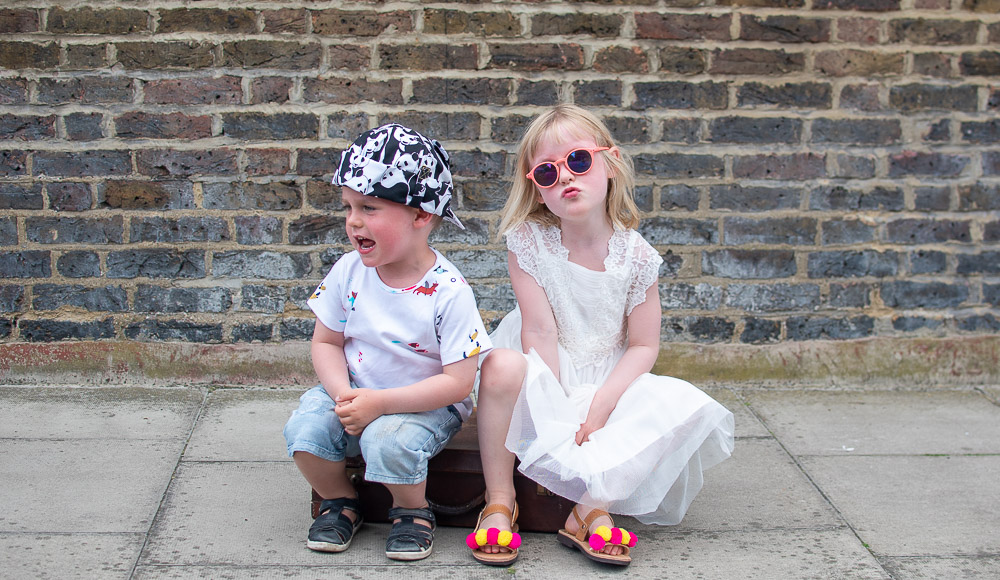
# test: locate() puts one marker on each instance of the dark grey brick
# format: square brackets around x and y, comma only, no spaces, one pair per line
[8,231]
[317,229]
[179,330]
[979,323]
[855,166]
[271,196]
[979,263]
[46,230]
[105,299]
[296,328]
[853,264]
[914,323]
[991,294]
[932,164]
[849,295]
[249,332]
[682,296]
[793,230]
[258,230]
[26,264]
[932,198]
[156,263]
[749,264]
[158,299]
[680,196]
[496,297]
[259,298]
[927,231]
[79,264]
[816,328]
[180,230]
[788,95]
[84,126]
[772,298]
[750,198]
[846,231]
[21,196]
[760,331]
[82,163]
[697,328]
[43,330]
[675,165]
[476,232]
[261,265]
[11,298]
[928,262]
[69,196]
[838,197]
[663,231]
[979,197]
[480,263]
[905,294]
[755,130]
[857,131]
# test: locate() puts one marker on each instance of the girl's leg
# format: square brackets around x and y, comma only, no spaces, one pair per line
[572,526]
[500,383]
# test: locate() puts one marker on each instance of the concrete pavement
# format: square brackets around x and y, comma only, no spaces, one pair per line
[176,482]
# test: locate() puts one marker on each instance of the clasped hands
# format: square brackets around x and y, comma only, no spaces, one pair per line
[357,408]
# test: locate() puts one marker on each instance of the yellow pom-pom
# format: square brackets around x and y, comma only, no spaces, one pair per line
[604,532]
[504,538]
[625,537]
[481,537]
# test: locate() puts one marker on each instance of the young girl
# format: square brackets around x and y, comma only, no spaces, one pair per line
[570,395]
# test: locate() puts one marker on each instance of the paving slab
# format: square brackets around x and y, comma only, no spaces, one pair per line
[759,487]
[243,425]
[61,556]
[880,422]
[916,505]
[952,568]
[88,485]
[101,412]
[747,424]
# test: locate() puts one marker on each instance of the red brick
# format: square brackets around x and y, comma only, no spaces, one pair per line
[859,30]
[660,26]
[859,63]
[18,21]
[140,125]
[537,57]
[428,56]
[91,21]
[272,54]
[287,21]
[28,55]
[348,91]
[165,55]
[620,59]
[268,161]
[753,61]
[207,20]
[361,23]
[489,24]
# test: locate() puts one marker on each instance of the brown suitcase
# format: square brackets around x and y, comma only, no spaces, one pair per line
[456,490]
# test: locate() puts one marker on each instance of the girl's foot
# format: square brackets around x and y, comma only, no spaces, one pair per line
[573,526]
[495,540]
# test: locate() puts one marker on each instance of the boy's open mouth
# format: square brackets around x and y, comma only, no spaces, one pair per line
[365,243]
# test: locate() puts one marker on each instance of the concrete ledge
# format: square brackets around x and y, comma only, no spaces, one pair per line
[886,362]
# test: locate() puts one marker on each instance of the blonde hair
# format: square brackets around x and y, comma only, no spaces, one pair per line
[522,204]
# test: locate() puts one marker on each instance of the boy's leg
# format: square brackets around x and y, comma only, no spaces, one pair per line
[500,382]
[396,450]
[318,445]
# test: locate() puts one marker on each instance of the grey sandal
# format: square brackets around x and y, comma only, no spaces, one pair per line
[409,540]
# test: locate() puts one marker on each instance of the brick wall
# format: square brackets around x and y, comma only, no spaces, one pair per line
[809,169]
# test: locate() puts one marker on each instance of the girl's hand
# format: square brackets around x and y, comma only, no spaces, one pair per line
[600,409]
[357,409]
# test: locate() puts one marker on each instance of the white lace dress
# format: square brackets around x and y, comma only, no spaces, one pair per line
[647,461]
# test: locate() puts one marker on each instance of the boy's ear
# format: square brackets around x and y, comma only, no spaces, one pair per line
[422,218]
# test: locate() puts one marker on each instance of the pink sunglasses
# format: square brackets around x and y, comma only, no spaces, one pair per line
[578,162]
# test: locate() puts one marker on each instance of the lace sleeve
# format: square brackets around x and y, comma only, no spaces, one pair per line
[523,243]
[645,271]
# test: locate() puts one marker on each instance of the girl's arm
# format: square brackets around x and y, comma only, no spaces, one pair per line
[643,348]
[538,324]
[327,349]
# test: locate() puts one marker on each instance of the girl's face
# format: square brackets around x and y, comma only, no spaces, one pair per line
[573,197]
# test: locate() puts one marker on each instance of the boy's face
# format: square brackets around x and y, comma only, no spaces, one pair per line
[382,231]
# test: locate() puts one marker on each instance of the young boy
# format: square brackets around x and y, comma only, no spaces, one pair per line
[395,346]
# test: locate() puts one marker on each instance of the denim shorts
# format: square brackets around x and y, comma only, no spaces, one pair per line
[395,447]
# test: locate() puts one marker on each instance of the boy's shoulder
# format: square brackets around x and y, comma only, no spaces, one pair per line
[445,274]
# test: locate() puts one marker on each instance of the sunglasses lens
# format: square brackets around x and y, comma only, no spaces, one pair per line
[579,161]
[545,174]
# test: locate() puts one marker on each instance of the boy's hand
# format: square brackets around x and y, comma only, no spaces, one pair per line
[357,409]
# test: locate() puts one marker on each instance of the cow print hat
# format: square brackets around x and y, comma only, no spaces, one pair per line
[396,163]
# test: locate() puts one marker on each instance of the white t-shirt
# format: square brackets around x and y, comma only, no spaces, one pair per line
[394,337]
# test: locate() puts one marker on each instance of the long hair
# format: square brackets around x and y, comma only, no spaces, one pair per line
[570,120]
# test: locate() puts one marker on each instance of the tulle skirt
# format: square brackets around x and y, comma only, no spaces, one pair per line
[646,462]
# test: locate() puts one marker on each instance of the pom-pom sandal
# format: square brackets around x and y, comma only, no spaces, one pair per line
[494,537]
[592,544]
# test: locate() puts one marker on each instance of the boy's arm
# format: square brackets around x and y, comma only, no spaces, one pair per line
[327,349]
[359,407]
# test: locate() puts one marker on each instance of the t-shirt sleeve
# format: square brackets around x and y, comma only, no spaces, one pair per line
[327,301]
[460,329]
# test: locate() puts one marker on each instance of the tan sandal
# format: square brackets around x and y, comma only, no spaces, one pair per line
[494,537]
[592,544]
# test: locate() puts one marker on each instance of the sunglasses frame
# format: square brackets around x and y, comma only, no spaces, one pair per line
[563,161]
